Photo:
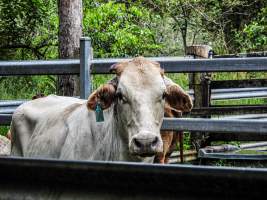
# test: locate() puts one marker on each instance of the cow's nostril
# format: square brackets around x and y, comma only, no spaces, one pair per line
[137,143]
[155,141]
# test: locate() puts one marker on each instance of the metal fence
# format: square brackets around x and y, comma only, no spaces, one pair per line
[24,178]
[87,66]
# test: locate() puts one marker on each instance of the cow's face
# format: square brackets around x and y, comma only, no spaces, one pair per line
[139,93]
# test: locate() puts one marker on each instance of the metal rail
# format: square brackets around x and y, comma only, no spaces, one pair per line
[178,65]
[39,67]
[229,109]
[101,66]
[199,124]
[231,156]
[5,119]
[24,178]
[236,93]
[215,125]
[239,94]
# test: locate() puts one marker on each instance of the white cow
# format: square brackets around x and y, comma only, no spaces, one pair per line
[133,104]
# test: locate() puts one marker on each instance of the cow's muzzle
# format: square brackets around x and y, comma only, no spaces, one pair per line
[146,144]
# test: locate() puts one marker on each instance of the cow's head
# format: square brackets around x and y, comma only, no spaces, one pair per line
[139,93]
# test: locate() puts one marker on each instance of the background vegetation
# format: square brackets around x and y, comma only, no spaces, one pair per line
[124,28]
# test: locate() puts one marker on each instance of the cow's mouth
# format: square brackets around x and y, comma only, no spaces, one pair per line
[147,155]
[144,154]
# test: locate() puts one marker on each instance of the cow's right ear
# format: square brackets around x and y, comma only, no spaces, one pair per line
[104,96]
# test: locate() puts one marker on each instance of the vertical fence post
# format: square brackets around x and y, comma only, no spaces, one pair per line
[85,67]
[200,83]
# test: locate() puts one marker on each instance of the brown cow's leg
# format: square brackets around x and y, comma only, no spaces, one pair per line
[166,137]
[160,158]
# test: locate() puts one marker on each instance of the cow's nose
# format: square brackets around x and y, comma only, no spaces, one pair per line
[146,144]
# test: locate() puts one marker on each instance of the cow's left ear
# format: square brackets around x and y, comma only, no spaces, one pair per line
[176,97]
[104,96]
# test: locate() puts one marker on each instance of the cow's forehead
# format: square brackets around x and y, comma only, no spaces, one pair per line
[142,74]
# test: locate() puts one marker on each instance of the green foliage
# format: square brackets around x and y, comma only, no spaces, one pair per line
[28,29]
[181,79]
[254,35]
[4,130]
[26,87]
[226,20]
[119,31]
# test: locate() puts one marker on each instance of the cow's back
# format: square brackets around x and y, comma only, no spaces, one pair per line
[38,126]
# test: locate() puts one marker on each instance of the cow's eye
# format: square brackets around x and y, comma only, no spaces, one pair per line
[164,95]
[122,98]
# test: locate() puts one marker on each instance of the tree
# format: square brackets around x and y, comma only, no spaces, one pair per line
[254,35]
[28,29]
[179,14]
[119,30]
[229,18]
[70,31]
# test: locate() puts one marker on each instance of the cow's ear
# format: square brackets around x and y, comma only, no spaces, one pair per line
[104,96]
[178,99]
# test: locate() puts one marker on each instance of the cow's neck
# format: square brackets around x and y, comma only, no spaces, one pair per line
[112,143]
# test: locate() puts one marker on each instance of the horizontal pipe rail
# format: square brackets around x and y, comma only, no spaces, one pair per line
[243,83]
[40,67]
[5,119]
[4,103]
[173,64]
[199,124]
[58,179]
[230,90]
[262,116]
[239,95]
[235,93]
[231,156]
[101,66]
[215,125]
[229,109]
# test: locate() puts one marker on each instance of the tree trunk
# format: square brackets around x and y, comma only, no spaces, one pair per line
[70,31]
[184,35]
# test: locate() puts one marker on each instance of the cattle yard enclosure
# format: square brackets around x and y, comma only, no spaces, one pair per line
[20,174]
[87,66]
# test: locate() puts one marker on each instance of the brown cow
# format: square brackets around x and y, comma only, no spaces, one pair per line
[169,138]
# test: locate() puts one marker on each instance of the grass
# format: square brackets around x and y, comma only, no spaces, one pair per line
[238,75]
[4,130]
[248,101]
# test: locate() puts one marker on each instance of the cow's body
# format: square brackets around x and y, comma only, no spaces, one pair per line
[66,128]
[50,129]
